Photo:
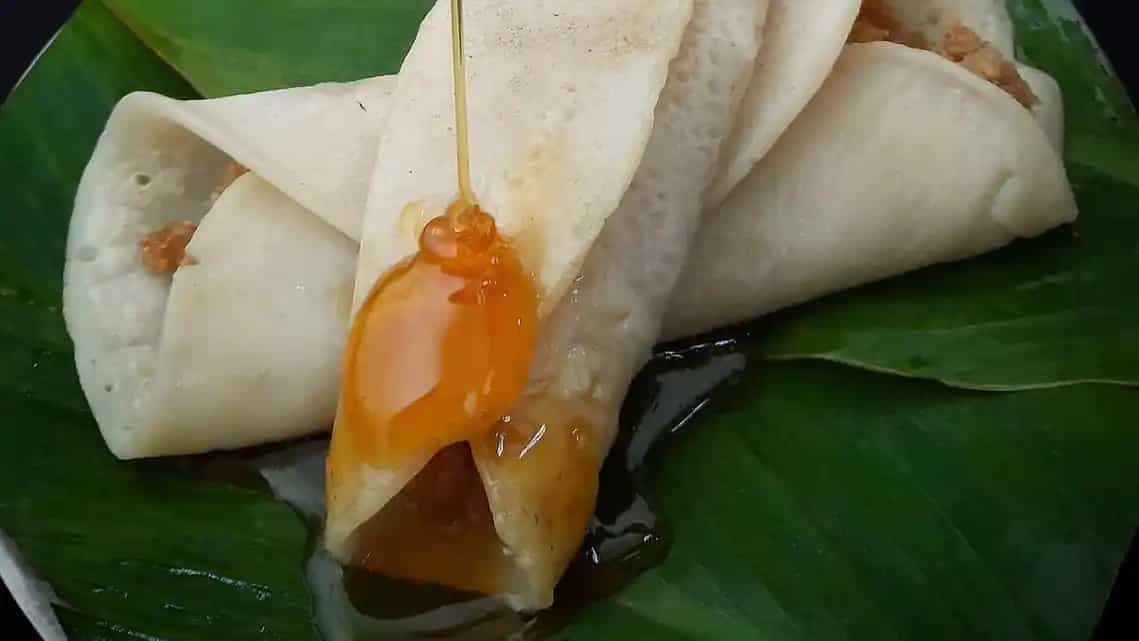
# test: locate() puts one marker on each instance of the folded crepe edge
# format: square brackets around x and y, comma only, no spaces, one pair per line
[780,89]
[1028,120]
[206,119]
[693,310]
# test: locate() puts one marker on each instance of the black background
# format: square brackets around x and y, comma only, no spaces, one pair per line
[26,26]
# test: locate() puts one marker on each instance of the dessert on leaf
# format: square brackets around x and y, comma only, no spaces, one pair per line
[460,269]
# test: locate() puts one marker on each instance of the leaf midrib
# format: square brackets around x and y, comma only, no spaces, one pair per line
[140,34]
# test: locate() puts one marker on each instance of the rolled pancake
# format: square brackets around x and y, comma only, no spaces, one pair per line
[318,144]
[802,40]
[539,469]
[903,159]
[148,353]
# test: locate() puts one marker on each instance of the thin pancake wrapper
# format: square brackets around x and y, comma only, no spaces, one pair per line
[802,40]
[539,470]
[904,159]
[242,346]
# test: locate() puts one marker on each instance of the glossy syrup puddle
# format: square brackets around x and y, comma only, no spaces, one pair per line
[625,539]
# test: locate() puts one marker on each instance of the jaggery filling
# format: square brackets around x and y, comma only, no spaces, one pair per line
[877,22]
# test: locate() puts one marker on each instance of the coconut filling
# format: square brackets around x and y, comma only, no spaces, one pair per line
[164,250]
[877,21]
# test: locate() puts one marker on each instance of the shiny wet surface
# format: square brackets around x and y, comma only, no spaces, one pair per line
[626,537]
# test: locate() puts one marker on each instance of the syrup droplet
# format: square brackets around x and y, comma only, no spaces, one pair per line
[442,346]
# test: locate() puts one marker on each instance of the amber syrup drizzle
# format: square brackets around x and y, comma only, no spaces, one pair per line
[459,71]
[438,353]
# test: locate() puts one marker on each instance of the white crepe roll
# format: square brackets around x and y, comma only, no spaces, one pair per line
[541,496]
[904,159]
[541,470]
[152,359]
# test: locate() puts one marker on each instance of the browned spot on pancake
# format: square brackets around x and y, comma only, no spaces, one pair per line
[163,251]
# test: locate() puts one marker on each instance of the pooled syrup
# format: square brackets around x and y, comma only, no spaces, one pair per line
[626,537]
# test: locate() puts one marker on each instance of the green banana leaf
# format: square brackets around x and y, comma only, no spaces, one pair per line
[808,501]
[817,502]
[223,47]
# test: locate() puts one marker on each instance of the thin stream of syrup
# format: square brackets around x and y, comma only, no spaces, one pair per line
[459,71]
